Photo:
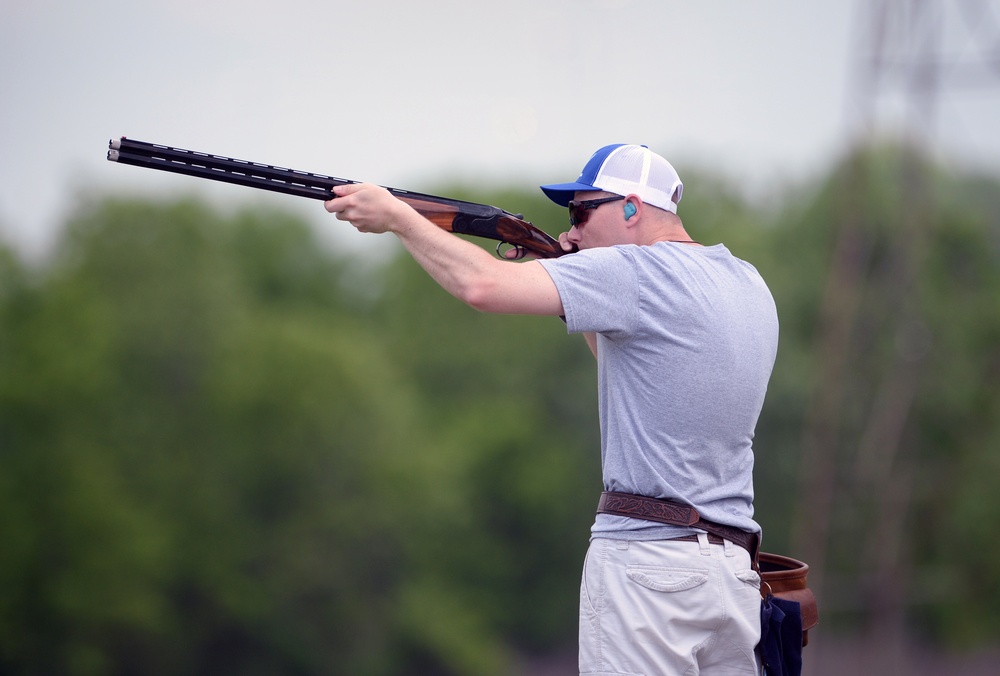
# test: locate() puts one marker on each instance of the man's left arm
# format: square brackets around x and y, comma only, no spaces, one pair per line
[463,269]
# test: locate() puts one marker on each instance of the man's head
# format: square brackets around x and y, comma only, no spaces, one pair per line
[627,193]
[624,170]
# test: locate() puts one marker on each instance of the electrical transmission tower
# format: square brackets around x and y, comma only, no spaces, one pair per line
[915,52]
[909,56]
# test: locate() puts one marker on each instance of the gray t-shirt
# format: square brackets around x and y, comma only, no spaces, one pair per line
[686,340]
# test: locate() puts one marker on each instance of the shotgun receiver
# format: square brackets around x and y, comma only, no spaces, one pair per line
[462,218]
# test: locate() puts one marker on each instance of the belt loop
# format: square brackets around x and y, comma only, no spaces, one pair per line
[706,549]
[730,548]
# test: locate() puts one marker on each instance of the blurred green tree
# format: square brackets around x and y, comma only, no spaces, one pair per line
[225,450]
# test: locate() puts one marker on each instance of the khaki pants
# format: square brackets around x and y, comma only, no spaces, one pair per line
[664,608]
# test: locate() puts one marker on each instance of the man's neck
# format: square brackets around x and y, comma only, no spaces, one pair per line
[677,235]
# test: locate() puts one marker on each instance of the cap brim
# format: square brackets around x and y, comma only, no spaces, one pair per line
[562,193]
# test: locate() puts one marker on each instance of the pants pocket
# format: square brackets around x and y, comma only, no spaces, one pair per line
[667,579]
[749,576]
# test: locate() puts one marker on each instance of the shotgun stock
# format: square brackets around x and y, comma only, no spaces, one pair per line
[457,216]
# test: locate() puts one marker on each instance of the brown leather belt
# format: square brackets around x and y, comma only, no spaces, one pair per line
[712,539]
[674,514]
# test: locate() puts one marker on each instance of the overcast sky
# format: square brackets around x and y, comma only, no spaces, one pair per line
[415,94]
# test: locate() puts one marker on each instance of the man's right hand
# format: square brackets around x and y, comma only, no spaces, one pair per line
[516,254]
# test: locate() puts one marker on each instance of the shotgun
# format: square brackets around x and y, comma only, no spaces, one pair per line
[456,216]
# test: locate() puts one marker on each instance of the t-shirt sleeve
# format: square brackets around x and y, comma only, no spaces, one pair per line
[598,289]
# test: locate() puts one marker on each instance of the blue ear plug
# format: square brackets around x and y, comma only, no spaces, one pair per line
[629,210]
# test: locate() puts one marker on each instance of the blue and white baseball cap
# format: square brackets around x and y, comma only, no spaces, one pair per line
[624,169]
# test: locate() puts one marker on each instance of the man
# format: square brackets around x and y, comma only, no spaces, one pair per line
[685,337]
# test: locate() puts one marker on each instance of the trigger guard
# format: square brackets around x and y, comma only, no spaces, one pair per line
[521,251]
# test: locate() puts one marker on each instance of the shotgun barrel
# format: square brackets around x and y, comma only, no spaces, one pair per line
[457,216]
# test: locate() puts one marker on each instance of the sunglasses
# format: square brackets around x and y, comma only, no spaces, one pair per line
[579,212]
